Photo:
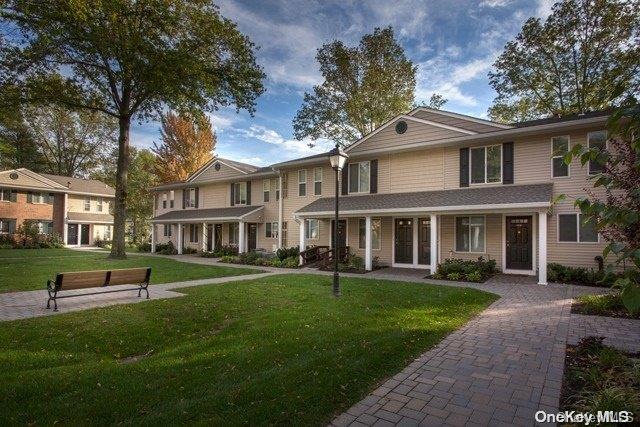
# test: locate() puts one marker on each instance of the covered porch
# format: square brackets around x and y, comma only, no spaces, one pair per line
[206,230]
[420,230]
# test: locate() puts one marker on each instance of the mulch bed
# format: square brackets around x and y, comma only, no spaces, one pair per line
[580,308]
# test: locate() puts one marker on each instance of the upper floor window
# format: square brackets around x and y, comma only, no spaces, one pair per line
[470,234]
[559,147]
[40,198]
[302,182]
[317,181]
[172,197]
[359,177]
[597,140]
[7,195]
[574,228]
[240,193]
[87,203]
[312,231]
[99,202]
[164,200]
[190,199]
[266,190]
[486,164]
[275,183]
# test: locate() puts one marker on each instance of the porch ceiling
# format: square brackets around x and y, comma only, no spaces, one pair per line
[236,213]
[494,197]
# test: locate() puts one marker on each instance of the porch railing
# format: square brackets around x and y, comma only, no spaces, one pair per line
[321,256]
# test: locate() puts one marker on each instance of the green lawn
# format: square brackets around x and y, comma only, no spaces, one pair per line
[29,269]
[279,350]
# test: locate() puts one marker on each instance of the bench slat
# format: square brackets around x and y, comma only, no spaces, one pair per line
[92,279]
[83,279]
[131,276]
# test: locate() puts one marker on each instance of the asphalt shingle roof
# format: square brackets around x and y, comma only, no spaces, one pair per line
[196,214]
[437,199]
[79,185]
[90,217]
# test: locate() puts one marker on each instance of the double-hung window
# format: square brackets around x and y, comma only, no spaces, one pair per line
[172,196]
[193,233]
[302,182]
[87,203]
[597,140]
[7,195]
[7,225]
[559,148]
[470,234]
[317,181]
[167,230]
[240,193]
[312,230]
[375,233]
[486,164]
[44,227]
[164,200]
[359,177]
[275,183]
[575,228]
[99,202]
[190,199]
[271,230]
[266,190]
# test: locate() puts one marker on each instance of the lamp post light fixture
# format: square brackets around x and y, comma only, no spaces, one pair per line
[338,159]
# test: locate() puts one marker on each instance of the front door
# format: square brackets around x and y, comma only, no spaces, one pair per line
[209,237]
[424,241]
[519,247]
[84,235]
[404,241]
[72,234]
[218,236]
[342,232]
[252,237]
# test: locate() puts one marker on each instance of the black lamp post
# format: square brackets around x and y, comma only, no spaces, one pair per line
[338,159]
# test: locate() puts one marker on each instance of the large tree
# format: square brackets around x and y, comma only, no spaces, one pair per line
[72,143]
[127,59]
[364,86]
[570,63]
[187,143]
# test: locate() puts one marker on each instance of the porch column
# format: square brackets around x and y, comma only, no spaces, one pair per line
[203,237]
[303,224]
[153,238]
[79,234]
[241,243]
[367,252]
[280,210]
[542,248]
[65,230]
[433,229]
[180,239]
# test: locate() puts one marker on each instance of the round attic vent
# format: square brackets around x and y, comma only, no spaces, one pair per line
[217,166]
[401,127]
[13,175]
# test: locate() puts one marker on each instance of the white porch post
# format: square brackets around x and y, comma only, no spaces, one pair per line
[79,235]
[433,229]
[203,237]
[241,243]
[280,211]
[180,239]
[303,224]
[542,248]
[367,253]
[65,227]
[153,238]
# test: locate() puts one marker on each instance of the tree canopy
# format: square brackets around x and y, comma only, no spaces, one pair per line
[570,63]
[187,144]
[127,59]
[364,86]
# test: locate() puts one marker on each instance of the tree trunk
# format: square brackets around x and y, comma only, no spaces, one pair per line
[119,210]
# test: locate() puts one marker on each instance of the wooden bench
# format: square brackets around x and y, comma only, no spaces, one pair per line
[98,279]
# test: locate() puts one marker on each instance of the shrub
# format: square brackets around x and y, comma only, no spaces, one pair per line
[145,247]
[284,253]
[356,262]
[166,248]
[226,250]
[454,276]
[474,276]
[189,250]
[230,259]
[276,262]
[291,262]
[580,276]
[102,243]
[473,271]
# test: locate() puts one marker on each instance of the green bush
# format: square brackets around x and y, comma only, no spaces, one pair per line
[580,276]
[291,262]
[144,247]
[189,250]
[356,262]
[28,236]
[454,276]
[230,259]
[284,253]
[226,250]
[101,243]
[166,248]
[276,262]
[474,276]
[473,271]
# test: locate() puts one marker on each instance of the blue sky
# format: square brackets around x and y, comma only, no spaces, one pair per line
[453,42]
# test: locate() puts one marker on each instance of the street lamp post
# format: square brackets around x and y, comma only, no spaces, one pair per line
[338,159]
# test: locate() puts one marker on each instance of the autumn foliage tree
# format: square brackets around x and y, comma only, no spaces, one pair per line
[187,143]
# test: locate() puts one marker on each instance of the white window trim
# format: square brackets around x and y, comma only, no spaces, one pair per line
[188,203]
[534,243]
[455,234]
[306,178]
[274,224]
[380,240]
[236,192]
[84,203]
[164,200]
[568,175]
[266,188]
[349,177]
[606,144]
[577,231]
[307,229]
[2,190]
[99,204]
[316,181]
[486,164]
[172,197]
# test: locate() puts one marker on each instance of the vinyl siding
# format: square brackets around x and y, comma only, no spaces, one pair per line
[456,122]
[225,172]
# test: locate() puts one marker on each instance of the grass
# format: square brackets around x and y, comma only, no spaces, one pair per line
[279,350]
[29,269]
[601,305]
[600,378]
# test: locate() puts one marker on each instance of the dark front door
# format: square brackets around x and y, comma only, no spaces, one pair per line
[404,241]
[84,236]
[519,247]
[72,234]
[342,232]
[209,237]
[424,241]
[218,236]
[252,237]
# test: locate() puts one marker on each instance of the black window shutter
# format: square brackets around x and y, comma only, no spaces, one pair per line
[507,163]
[464,167]
[373,177]
[345,180]
[233,202]
[248,192]
[267,227]
[197,197]
[184,198]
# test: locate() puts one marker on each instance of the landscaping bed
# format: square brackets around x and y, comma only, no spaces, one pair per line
[600,378]
[478,271]
[609,305]
[283,258]
[559,273]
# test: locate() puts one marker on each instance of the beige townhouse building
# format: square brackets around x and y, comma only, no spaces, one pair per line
[426,186]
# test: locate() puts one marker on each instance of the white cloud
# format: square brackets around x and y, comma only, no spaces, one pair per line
[289,148]
[257,161]
[544,8]
[495,3]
